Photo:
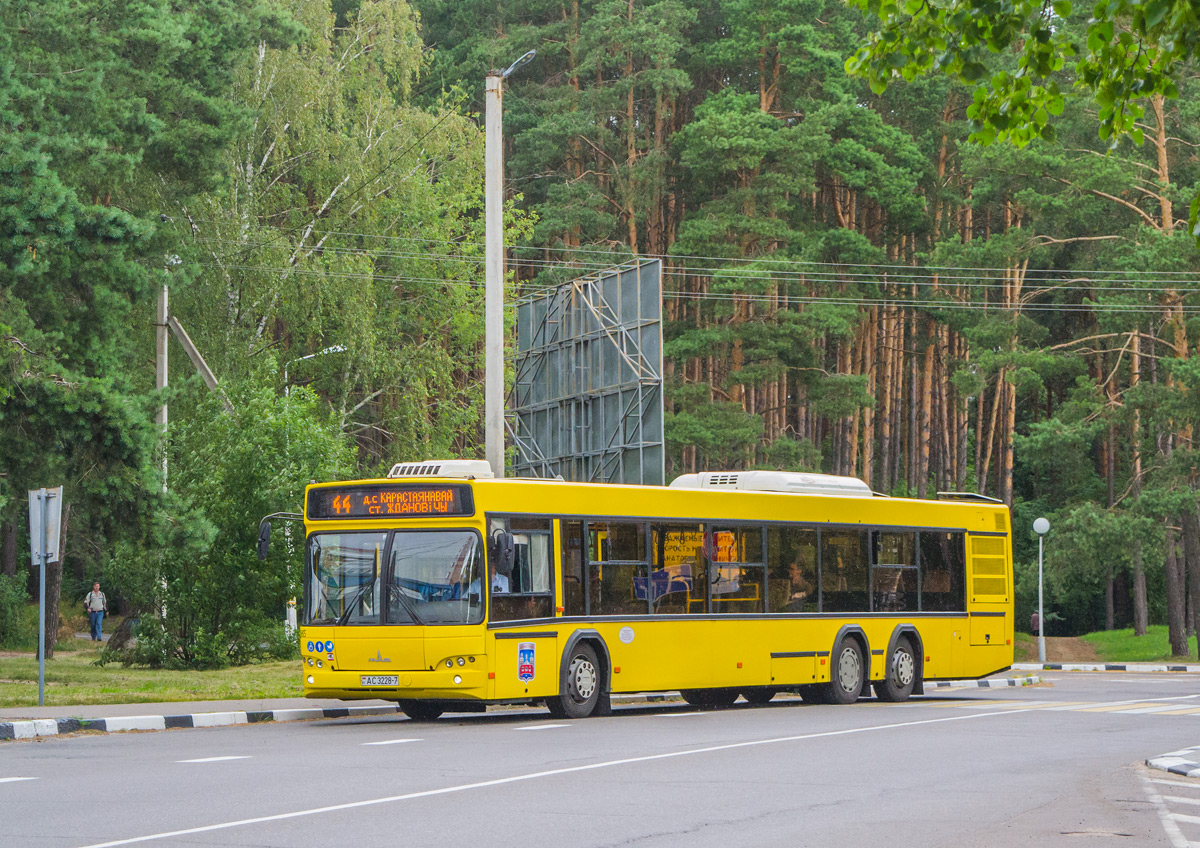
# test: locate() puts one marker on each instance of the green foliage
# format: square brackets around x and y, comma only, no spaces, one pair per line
[222,605]
[13,602]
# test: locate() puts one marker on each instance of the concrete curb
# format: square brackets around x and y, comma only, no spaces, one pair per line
[55,726]
[1127,667]
[38,727]
[1178,762]
[982,684]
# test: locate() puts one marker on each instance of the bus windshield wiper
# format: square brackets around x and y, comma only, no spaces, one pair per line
[354,602]
[398,593]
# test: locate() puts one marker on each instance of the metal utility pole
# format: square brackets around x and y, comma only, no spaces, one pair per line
[45,522]
[1041,526]
[493,393]
[160,381]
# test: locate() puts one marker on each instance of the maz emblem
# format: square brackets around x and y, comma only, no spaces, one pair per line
[378,658]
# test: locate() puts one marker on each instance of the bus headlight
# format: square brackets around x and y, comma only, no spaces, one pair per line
[449,663]
[320,664]
[457,679]
[461,661]
[310,680]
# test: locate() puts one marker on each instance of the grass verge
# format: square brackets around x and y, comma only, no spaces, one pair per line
[1123,646]
[72,679]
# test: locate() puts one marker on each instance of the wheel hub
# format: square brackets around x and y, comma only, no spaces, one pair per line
[903,668]
[849,670]
[583,677]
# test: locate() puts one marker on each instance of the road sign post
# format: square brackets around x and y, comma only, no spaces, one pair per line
[45,521]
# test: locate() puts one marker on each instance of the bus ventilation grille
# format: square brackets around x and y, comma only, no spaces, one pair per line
[723,480]
[421,470]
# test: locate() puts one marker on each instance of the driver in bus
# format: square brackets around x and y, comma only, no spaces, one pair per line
[498,581]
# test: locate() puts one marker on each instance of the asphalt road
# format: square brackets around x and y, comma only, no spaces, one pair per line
[1052,765]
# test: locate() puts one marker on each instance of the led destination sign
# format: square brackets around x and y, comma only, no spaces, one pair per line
[389,502]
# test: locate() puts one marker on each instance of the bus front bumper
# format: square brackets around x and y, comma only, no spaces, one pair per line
[454,684]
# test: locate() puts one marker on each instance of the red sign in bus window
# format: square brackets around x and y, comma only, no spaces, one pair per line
[389,502]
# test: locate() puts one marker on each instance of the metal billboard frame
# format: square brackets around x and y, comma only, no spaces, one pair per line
[587,399]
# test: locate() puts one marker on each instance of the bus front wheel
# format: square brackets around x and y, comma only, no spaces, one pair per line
[581,691]
[901,675]
[846,676]
[421,710]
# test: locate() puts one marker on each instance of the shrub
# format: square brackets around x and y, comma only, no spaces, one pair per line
[13,600]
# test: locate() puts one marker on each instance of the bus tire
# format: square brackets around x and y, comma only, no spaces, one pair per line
[846,676]
[421,710]
[759,695]
[900,675]
[581,686]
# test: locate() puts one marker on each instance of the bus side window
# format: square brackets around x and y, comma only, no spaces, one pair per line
[943,571]
[844,564]
[572,565]
[530,592]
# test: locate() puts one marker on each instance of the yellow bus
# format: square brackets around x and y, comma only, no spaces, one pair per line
[443,588]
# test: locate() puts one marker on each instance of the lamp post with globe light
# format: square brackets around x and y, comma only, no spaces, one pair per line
[1041,526]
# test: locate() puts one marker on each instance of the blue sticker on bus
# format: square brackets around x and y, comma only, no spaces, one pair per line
[310,646]
[320,647]
[329,646]
[525,661]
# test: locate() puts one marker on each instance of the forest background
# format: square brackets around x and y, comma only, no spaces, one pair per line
[850,285]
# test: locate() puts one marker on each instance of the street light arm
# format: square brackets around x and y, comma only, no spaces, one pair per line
[524,60]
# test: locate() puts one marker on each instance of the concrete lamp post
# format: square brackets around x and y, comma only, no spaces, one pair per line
[1041,526]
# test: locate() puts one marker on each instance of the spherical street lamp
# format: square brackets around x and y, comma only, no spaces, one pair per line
[1041,526]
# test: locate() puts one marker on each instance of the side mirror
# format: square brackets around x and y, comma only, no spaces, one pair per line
[264,539]
[501,552]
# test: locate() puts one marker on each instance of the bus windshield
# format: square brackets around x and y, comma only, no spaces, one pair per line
[422,577]
[435,578]
[343,578]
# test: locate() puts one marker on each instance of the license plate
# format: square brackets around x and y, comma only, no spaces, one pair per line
[379,680]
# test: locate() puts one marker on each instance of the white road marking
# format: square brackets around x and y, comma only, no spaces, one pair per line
[15,779]
[1174,834]
[213,759]
[541,726]
[676,715]
[538,775]
[391,741]
[1189,819]
[1175,799]
[1174,782]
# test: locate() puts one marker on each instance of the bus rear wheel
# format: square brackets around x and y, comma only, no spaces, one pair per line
[421,710]
[897,684]
[846,676]
[581,690]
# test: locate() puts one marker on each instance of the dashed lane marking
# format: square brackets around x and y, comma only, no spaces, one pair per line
[676,715]
[391,741]
[15,779]
[541,726]
[214,759]
[541,775]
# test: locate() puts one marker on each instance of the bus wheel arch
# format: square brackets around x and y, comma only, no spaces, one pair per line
[903,665]
[584,679]
[851,655]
